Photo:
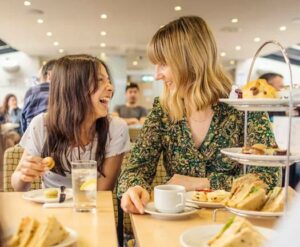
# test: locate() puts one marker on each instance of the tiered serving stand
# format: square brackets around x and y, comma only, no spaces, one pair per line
[247,105]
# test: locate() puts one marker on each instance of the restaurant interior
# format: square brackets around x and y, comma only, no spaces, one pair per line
[138,175]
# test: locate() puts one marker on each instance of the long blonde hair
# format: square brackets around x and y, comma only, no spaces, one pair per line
[188,46]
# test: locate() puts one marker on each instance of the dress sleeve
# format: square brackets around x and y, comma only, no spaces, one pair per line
[118,140]
[260,131]
[35,136]
[141,166]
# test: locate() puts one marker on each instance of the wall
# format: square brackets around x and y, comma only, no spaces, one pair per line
[19,81]
[264,65]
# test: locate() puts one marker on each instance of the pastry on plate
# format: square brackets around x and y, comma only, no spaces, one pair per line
[237,232]
[259,89]
[51,193]
[261,149]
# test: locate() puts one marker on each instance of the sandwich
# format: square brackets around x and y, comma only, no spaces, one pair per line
[31,233]
[237,232]
[247,193]
[24,234]
[49,234]
[276,199]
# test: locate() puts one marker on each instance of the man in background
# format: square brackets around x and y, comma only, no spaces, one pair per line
[131,112]
[274,79]
[36,98]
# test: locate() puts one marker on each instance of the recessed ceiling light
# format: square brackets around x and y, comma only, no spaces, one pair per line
[238,47]
[256,39]
[234,20]
[223,54]
[177,8]
[135,63]
[49,34]
[161,26]
[40,21]
[55,43]
[282,28]
[61,50]
[232,62]
[103,45]
[27,3]
[44,62]
[103,33]
[103,16]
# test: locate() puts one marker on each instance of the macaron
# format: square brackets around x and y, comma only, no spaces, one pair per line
[49,161]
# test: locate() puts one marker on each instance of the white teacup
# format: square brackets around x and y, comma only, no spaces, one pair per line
[169,198]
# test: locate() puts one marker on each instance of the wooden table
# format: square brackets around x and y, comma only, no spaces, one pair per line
[150,231]
[94,229]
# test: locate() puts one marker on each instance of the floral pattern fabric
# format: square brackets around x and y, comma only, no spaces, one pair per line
[180,156]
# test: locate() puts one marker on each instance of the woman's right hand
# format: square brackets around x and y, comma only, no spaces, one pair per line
[31,167]
[134,200]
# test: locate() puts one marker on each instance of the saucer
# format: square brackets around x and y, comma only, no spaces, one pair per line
[150,209]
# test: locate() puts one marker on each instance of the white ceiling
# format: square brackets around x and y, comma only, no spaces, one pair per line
[76,24]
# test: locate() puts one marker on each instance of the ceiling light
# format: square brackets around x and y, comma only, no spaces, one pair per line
[49,34]
[61,50]
[103,33]
[238,48]
[135,63]
[282,28]
[232,62]
[44,62]
[177,8]
[256,39]
[161,26]
[55,43]
[27,3]
[40,21]
[234,20]
[103,16]
[103,45]
[223,54]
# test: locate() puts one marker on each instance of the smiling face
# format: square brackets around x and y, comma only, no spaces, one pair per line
[164,73]
[12,102]
[101,97]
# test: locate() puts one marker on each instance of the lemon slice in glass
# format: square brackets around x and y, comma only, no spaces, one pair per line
[89,184]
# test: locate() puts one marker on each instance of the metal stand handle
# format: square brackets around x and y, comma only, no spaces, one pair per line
[287,61]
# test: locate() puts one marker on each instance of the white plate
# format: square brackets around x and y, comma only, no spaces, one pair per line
[254,214]
[259,160]
[260,104]
[70,240]
[38,196]
[150,209]
[198,236]
[189,196]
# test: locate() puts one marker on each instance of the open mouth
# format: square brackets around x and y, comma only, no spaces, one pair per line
[105,101]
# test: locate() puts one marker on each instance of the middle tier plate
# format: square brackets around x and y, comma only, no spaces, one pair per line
[259,160]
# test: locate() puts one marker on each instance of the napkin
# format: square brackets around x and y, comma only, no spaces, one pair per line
[58,205]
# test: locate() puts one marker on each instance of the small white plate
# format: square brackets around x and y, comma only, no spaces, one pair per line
[189,196]
[198,236]
[254,214]
[150,209]
[70,240]
[259,160]
[38,196]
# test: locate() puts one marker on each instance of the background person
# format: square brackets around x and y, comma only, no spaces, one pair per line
[36,98]
[131,112]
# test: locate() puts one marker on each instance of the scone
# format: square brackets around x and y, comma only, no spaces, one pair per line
[259,89]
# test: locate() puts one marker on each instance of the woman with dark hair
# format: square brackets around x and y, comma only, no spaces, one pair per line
[75,127]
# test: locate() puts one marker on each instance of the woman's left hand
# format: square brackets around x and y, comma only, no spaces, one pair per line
[190,183]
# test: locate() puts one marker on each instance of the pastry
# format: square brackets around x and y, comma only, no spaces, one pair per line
[49,161]
[259,89]
[51,193]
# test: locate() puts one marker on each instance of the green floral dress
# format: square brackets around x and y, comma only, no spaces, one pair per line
[180,156]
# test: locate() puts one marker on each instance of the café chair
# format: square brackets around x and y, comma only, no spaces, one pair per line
[11,159]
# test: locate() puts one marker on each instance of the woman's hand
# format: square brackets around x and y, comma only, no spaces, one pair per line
[31,167]
[190,183]
[134,200]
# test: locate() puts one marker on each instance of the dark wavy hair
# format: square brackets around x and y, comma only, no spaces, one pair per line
[5,103]
[74,80]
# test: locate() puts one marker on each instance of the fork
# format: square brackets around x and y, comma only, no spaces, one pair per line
[62,195]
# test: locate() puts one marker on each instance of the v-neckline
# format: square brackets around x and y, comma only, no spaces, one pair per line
[208,137]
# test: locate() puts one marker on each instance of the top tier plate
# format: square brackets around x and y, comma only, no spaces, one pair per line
[260,104]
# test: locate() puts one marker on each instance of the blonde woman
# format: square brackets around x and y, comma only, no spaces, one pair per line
[188,124]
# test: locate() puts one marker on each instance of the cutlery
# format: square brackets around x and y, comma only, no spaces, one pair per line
[62,195]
